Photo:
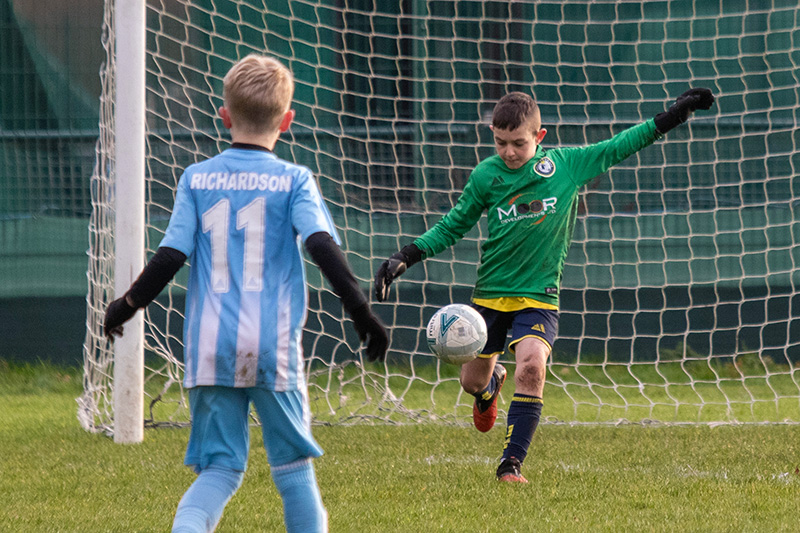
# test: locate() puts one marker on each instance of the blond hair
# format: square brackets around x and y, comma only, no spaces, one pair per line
[258,91]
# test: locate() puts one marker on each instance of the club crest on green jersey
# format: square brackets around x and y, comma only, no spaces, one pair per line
[545,167]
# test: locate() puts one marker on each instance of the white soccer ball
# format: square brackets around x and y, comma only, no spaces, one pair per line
[456,334]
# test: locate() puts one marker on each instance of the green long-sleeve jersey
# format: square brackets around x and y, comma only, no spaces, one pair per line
[531,214]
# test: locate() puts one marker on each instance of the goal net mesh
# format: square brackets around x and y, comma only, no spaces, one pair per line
[679,298]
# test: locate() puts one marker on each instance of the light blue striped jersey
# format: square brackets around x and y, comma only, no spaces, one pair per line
[242,217]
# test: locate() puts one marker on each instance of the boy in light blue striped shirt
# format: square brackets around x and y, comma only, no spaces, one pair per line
[243,217]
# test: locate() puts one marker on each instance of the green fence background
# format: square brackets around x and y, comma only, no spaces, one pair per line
[730,217]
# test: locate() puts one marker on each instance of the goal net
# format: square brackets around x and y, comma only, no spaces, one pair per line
[679,299]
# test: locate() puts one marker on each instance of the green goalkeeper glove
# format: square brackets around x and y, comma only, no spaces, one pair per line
[687,103]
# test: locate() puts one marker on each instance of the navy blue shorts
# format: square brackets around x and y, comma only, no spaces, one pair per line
[531,322]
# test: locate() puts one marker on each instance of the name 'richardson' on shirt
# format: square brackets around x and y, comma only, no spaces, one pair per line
[240,181]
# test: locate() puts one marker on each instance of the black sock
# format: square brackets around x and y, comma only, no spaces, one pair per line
[523,417]
[486,394]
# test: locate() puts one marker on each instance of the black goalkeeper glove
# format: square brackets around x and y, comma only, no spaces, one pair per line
[371,331]
[394,267]
[687,103]
[117,313]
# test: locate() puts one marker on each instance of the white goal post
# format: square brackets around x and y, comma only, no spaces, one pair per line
[680,297]
[129,222]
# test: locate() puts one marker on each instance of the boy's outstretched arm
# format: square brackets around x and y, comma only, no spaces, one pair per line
[686,104]
[331,261]
[393,267]
[593,160]
[161,268]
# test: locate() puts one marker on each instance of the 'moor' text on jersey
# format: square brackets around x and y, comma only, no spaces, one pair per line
[532,209]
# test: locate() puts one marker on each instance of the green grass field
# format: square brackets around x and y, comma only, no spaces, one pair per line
[55,477]
[747,390]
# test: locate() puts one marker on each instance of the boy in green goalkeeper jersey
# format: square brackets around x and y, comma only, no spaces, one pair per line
[530,197]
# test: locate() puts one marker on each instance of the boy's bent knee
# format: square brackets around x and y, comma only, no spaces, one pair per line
[472,386]
[476,375]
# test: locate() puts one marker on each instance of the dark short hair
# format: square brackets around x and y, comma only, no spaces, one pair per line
[513,110]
